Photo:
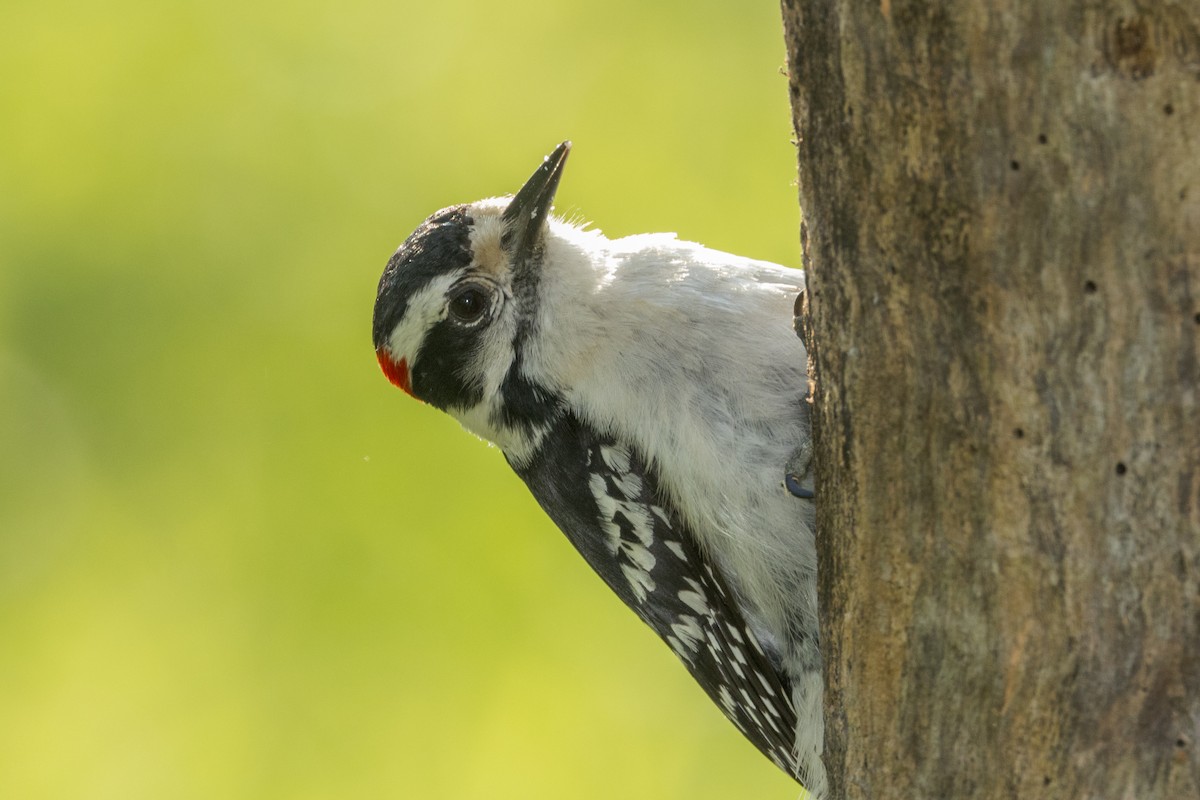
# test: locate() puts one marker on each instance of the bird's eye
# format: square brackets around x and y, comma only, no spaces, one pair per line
[469,303]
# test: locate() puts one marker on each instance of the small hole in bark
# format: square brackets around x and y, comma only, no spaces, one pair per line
[1168,109]
[1041,138]
[1046,781]
[1016,165]
[1121,468]
[1181,742]
[1197,317]
[1019,433]
[1090,287]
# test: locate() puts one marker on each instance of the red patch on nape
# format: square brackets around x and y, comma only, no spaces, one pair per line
[396,371]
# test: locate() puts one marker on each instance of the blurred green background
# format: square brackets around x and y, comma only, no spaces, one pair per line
[234,561]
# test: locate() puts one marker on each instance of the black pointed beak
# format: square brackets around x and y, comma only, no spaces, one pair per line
[525,217]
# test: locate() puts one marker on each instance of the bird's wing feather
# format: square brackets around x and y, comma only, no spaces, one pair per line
[607,502]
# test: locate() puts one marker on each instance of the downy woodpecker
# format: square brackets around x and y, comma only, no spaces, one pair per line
[649,393]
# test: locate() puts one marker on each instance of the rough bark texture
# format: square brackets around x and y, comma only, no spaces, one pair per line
[1002,204]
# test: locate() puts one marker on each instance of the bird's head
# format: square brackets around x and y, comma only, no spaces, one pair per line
[458,296]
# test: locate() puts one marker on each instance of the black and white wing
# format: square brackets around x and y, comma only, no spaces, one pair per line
[605,499]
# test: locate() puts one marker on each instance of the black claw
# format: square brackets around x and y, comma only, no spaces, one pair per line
[793,485]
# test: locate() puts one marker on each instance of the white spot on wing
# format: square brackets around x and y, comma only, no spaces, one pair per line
[629,485]
[617,458]
[754,644]
[616,492]
[639,580]
[678,649]
[639,555]
[726,701]
[689,632]
[738,655]
[676,548]
[695,601]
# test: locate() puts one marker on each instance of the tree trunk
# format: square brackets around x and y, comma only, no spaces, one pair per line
[1002,204]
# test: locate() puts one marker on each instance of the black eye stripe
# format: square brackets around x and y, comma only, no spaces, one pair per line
[439,371]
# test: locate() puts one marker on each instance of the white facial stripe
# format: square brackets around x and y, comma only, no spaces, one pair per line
[425,309]
[495,353]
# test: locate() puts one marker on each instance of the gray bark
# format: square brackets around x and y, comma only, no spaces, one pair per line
[1002,215]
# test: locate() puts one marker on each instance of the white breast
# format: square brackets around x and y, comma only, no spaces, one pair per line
[688,353]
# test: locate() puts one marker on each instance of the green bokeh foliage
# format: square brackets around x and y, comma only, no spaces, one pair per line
[234,562]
